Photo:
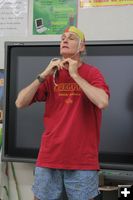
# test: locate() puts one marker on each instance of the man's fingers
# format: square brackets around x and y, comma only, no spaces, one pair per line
[64,64]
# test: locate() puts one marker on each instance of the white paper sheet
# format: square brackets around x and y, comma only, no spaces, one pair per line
[13,17]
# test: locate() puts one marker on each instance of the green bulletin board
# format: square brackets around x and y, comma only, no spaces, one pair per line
[53,16]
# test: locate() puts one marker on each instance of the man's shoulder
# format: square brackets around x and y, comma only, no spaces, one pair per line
[89,67]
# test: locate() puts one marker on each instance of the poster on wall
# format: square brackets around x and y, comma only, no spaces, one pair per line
[13,17]
[100,3]
[52,17]
[1,93]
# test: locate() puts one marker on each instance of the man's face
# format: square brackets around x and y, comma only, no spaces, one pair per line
[69,44]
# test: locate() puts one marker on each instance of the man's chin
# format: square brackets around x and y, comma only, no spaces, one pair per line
[66,55]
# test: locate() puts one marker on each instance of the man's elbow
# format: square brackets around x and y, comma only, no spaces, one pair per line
[104,104]
[19,104]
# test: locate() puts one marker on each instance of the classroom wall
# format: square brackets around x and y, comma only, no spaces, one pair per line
[106,23]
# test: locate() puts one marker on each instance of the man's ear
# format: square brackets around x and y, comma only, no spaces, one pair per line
[82,47]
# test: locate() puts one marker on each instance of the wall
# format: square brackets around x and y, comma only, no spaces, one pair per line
[106,23]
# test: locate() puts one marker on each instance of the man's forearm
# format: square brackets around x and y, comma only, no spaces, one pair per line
[26,95]
[95,95]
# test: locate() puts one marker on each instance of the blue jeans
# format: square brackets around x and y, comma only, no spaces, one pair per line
[50,183]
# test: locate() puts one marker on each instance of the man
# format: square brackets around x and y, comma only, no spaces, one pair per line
[75,94]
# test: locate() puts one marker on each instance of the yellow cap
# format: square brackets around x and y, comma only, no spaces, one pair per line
[77,31]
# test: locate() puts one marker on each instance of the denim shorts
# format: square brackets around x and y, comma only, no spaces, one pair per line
[50,184]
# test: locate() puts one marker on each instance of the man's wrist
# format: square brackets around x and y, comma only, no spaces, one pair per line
[75,75]
[40,78]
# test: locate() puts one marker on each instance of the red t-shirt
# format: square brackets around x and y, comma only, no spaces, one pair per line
[71,120]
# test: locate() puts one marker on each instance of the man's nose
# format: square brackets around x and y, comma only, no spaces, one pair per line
[66,39]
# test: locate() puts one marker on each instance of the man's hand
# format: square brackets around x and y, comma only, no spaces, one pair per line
[71,65]
[54,63]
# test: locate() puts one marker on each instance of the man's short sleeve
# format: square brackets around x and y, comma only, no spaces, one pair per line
[97,80]
[41,93]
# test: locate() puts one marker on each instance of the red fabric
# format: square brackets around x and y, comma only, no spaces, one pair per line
[72,122]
